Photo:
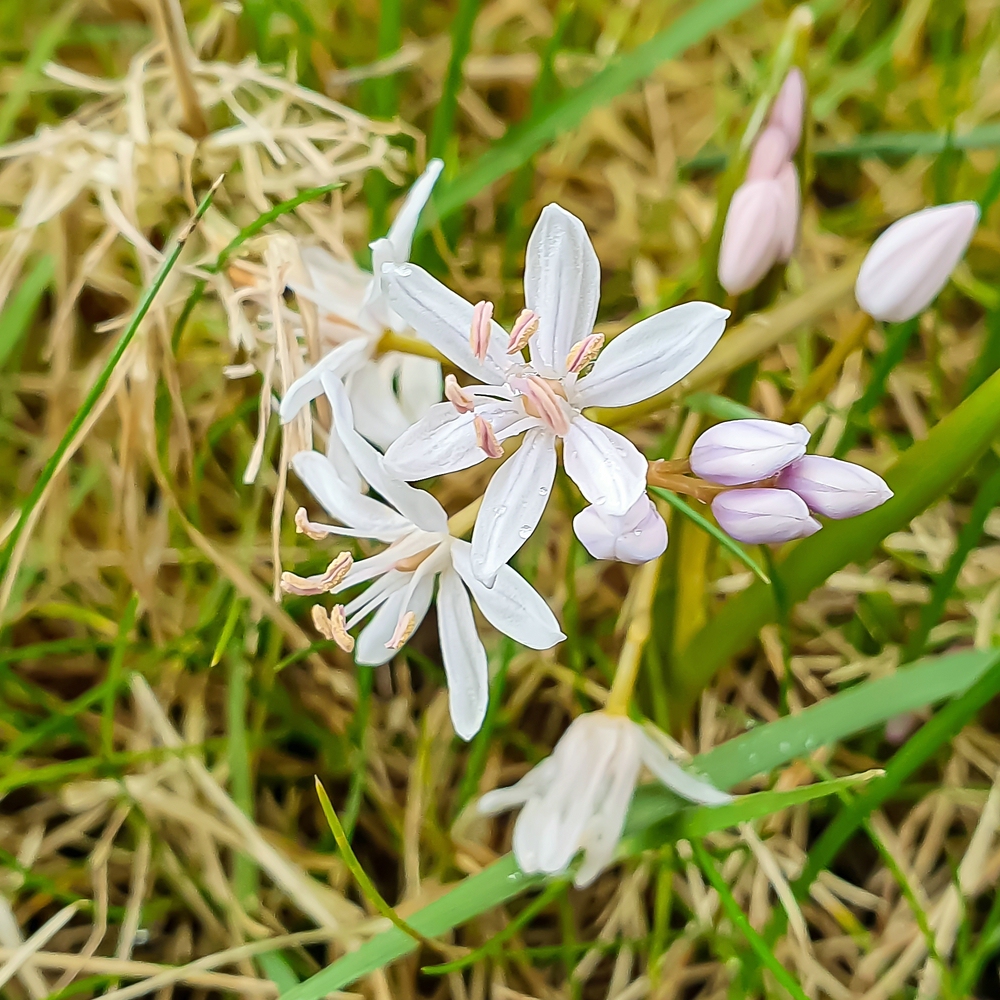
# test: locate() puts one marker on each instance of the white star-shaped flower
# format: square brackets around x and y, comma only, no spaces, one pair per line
[542,398]
[420,551]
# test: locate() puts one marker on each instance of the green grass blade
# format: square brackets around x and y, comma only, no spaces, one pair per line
[114,676]
[20,308]
[444,114]
[720,407]
[622,73]
[716,532]
[924,472]
[102,380]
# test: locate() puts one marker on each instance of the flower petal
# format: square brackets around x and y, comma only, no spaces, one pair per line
[307,387]
[354,509]
[677,779]
[608,468]
[652,355]
[417,505]
[420,384]
[371,650]
[401,231]
[463,655]
[377,414]
[444,319]
[511,605]
[513,503]
[562,284]
[535,782]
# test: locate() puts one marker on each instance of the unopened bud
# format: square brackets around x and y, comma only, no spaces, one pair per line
[789,108]
[486,439]
[322,583]
[479,333]
[910,262]
[583,352]
[761,516]
[333,626]
[457,396]
[834,488]
[746,451]
[770,153]
[637,536]
[404,629]
[525,327]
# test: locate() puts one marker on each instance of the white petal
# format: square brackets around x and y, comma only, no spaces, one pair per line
[383,562]
[419,382]
[343,464]
[371,650]
[377,414]
[608,468]
[511,605]
[444,440]
[562,283]
[535,782]
[416,505]
[401,231]
[364,514]
[444,319]
[463,655]
[307,387]
[652,355]
[513,503]
[678,780]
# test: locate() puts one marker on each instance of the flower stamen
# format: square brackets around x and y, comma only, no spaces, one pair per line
[404,629]
[525,327]
[479,334]
[486,438]
[583,352]
[410,563]
[333,626]
[322,583]
[543,399]
[457,396]
[317,532]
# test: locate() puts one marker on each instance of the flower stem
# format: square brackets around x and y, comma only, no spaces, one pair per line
[461,522]
[391,341]
[640,599]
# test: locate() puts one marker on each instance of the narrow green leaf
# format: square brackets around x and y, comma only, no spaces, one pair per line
[721,407]
[275,966]
[444,113]
[622,73]
[923,473]
[114,676]
[716,532]
[20,308]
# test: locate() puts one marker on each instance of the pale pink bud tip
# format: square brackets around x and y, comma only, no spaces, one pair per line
[760,516]
[333,626]
[525,327]
[479,333]
[771,151]
[457,396]
[911,261]
[834,488]
[638,536]
[404,629]
[746,451]
[486,439]
[789,108]
[322,583]
[583,352]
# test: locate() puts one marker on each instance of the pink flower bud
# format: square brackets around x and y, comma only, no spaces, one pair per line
[770,153]
[789,108]
[637,536]
[910,262]
[746,451]
[788,213]
[756,234]
[834,488]
[763,516]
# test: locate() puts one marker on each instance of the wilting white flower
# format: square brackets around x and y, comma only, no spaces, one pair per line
[745,451]
[834,488]
[638,536]
[390,393]
[577,799]
[420,551]
[543,398]
[763,516]
[910,262]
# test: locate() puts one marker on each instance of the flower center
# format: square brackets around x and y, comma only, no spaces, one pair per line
[545,399]
[410,563]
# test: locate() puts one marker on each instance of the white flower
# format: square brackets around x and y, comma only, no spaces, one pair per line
[542,399]
[636,537]
[420,551]
[577,799]
[388,394]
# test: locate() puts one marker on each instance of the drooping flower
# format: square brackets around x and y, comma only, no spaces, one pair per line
[543,398]
[911,261]
[390,393]
[577,799]
[420,552]
[763,217]
[763,516]
[635,537]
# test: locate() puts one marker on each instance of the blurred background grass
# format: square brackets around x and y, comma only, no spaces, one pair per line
[151,557]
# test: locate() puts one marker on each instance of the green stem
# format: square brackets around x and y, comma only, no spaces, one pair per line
[461,41]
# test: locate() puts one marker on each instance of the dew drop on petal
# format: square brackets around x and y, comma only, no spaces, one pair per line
[500,509]
[525,530]
[637,532]
[543,491]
